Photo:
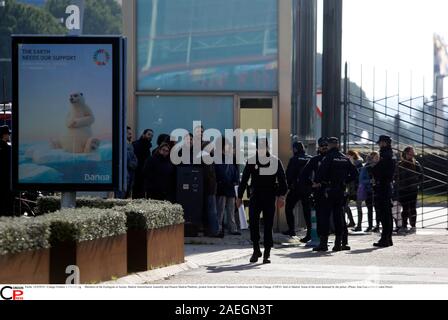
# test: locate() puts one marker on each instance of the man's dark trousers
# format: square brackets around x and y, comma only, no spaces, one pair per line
[291,201]
[383,207]
[262,203]
[333,203]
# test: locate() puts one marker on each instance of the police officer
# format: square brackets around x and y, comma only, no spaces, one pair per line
[268,181]
[308,176]
[6,196]
[335,171]
[299,190]
[383,174]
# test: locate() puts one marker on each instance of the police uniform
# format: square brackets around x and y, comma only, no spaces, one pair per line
[335,171]
[299,190]
[308,177]
[263,192]
[383,175]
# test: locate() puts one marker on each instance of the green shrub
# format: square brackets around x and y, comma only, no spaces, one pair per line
[23,234]
[84,224]
[147,215]
[53,203]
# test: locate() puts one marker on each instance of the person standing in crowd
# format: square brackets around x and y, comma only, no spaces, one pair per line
[264,190]
[357,161]
[142,150]
[210,192]
[383,175]
[409,178]
[299,190]
[365,189]
[6,195]
[227,178]
[309,177]
[160,175]
[132,163]
[334,173]
[162,139]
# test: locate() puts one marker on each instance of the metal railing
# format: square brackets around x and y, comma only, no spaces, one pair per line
[419,122]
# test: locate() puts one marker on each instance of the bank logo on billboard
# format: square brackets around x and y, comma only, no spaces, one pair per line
[101,57]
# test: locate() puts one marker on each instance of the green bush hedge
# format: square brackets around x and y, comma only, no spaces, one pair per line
[147,215]
[23,234]
[84,224]
[53,203]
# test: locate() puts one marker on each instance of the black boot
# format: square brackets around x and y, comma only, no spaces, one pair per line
[267,255]
[323,245]
[383,243]
[345,246]
[337,244]
[257,254]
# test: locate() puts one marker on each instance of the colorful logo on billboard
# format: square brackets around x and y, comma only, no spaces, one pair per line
[101,57]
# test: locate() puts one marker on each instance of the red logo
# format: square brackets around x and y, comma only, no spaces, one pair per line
[11,293]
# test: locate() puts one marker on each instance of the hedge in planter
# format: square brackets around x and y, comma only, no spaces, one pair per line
[94,240]
[53,203]
[24,254]
[155,235]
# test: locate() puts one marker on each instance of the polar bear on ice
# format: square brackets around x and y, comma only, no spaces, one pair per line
[79,137]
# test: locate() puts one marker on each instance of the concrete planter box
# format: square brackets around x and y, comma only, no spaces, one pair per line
[151,249]
[30,267]
[98,260]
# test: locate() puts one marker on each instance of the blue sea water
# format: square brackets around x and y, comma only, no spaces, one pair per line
[39,163]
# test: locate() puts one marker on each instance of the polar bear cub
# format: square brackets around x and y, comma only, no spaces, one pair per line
[78,137]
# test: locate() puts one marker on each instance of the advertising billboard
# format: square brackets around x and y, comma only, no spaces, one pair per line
[68,119]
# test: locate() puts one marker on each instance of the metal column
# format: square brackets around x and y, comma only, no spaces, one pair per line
[305,70]
[332,65]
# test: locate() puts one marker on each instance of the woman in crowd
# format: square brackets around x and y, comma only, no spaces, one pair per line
[160,175]
[365,190]
[357,161]
[409,178]
[227,177]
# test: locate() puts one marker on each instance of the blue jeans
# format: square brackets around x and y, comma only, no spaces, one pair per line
[212,214]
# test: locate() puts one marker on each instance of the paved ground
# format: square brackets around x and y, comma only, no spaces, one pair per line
[421,258]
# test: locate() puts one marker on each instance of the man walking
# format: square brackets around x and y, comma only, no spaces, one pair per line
[265,187]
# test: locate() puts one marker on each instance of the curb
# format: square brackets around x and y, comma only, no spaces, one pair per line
[146,277]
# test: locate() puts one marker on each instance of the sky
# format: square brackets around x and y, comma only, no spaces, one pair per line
[393,35]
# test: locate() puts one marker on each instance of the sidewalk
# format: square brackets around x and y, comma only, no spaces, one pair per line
[428,248]
[203,251]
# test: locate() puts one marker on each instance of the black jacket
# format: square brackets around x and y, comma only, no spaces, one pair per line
[383,171]
[336,170]
[142,150]
[160,178]
[227,177]
[274,184]
[294,170]
[409,177]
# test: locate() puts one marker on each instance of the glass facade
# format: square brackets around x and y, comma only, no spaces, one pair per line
[164,114]
[207,45]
